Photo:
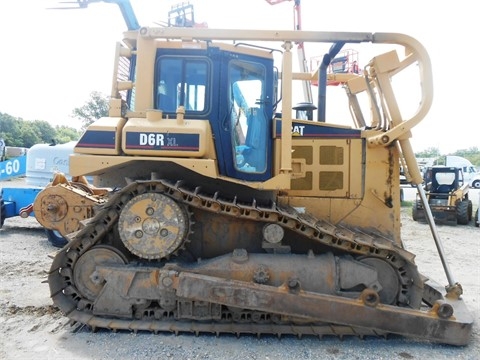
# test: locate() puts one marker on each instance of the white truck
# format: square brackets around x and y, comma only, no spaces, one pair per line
[470,173]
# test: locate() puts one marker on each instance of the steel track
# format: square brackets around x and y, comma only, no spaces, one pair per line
[79,309]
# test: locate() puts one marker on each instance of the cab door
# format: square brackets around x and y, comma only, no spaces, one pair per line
[245,114]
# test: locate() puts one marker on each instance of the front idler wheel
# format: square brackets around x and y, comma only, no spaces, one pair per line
[87,279]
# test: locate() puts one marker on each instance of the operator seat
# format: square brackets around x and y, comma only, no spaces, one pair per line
[255,141]
[444,188]
[441,191]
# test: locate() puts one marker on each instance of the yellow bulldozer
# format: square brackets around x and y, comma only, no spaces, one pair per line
[218,208]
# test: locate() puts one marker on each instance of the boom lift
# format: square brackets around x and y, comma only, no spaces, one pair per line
[212,212]
[302,61]
[124,5]
[182,15]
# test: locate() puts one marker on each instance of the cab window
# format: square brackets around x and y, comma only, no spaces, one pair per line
[181,82]
[247,116]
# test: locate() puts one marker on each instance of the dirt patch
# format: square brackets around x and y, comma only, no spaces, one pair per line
[33,310]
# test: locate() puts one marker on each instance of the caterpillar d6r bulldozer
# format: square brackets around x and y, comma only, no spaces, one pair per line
[217,208]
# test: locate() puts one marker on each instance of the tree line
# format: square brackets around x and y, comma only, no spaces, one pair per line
[17,132]
[472,154]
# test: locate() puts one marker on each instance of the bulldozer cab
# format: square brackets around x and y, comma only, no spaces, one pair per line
[239,111]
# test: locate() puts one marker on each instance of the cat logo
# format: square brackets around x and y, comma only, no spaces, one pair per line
[297,130]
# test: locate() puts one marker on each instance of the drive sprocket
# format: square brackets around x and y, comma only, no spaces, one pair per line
[153,225]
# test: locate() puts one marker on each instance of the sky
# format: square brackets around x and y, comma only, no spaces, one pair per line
[51,60]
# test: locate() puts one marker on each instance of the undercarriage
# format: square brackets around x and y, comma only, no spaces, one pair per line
[162,256]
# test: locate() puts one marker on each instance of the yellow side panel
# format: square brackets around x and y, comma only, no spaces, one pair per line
[164,137]
[331,167]
[102,137]
[361,189]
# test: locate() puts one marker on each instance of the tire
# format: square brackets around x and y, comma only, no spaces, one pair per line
[55,238]
[476,184]
[470,210]
[415,211]
[477,220]
[462,212]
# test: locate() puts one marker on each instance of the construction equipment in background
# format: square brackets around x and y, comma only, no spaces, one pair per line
[306,106]
[37,167]
[340,68]
[183,15]
[213,211]
[447,195]
[12,161]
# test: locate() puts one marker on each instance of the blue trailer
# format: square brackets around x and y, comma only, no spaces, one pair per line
[38,167]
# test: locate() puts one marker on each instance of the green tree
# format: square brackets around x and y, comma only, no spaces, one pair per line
[95,108]
[9,130]
[472,154]
[45,131]
[465,152]
[21,133]
[65,134]
[29,134]
[431,152]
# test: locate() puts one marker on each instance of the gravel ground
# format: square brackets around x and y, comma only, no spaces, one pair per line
[32,328]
